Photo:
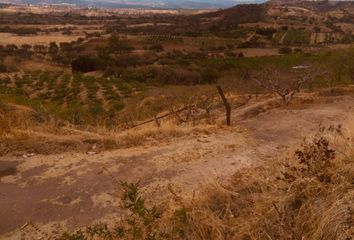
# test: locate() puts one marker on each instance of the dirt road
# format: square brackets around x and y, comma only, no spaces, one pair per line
[75,189]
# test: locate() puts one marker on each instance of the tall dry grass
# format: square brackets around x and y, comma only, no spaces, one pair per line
[307,195]
[23,130]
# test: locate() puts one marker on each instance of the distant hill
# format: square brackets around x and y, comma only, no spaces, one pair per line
[192,4]
[244,13]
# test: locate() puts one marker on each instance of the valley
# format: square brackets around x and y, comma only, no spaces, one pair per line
[154,123]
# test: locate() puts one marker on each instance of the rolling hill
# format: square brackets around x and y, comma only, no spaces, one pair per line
[192,4]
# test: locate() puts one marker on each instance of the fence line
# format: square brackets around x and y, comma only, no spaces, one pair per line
[160,117]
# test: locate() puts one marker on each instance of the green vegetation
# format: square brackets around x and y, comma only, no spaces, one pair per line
[110,74]
[297,37]
[285,50]
[164,38]
[64,94]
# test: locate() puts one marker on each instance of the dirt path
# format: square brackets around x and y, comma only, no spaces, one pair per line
[73,189]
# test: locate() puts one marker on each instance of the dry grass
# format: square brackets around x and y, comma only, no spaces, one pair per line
[282,200]
[307,195]
[23,130]
[8,38]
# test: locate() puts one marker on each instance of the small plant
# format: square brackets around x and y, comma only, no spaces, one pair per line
[314,160]
[142,222]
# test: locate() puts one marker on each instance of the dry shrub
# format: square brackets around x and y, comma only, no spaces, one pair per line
[307,195]
[5,127]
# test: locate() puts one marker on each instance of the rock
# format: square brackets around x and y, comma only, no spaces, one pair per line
[28,155]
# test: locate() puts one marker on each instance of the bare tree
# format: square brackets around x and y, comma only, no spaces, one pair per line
[286,87]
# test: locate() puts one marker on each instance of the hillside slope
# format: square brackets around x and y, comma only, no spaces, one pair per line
[70,189]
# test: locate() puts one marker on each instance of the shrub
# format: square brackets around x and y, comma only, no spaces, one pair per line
[267,32]
[297,37]
[41,49]
[84,64]
[53,48]
[96,109]
[314,160]
[117,45]
[141,223]
[209,75]
[118,106]
[285,50]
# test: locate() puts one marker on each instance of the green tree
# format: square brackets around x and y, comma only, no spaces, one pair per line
[117,45]
[53,48]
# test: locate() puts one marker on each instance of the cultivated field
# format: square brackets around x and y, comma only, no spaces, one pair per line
[8,38]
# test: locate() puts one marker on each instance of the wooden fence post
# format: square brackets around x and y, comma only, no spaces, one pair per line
[226,104]
[157,122]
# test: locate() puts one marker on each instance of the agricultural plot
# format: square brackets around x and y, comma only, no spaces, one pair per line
[91,96]
[297,37]
[164,39]
[9,38]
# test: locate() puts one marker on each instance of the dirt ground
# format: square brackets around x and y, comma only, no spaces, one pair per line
[70,190]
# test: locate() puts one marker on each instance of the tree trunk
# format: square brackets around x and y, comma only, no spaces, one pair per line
[226,104]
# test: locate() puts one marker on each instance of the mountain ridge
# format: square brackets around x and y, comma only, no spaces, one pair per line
[192,4]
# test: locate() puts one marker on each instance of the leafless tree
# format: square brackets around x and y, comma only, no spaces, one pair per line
[286,87]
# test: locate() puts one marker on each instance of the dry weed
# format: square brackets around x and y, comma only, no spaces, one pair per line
[22,132]
[306,196]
